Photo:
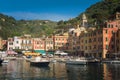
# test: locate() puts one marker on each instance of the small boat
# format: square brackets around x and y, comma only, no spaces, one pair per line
[53,61]
[111,61]
[77,61]
[82,60]
[39,62]
[5,61]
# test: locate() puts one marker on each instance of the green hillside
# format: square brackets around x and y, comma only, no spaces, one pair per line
[102,11]
[10,27]
[97,13]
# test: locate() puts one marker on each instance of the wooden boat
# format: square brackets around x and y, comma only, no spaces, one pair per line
[39,62]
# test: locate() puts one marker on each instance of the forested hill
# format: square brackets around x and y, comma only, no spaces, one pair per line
[10,27]
[102,11]
[96,13]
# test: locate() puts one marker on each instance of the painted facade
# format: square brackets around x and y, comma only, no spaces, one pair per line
[38,44]
[14,43]
[60,42]
[26,42]
[49,44]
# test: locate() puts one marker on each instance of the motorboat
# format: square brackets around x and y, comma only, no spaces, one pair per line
[78,61]
[40,62]
[6,61]
[82,60]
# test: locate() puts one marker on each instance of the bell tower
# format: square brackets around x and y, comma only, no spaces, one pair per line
[84,21]
[118,15]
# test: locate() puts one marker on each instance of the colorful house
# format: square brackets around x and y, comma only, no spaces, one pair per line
[39,45]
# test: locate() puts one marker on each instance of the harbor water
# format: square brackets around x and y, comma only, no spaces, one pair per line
[22,70]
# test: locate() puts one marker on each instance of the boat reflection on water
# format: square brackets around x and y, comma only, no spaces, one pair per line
[74,71]
[41,67]
[84,72]
[22,70]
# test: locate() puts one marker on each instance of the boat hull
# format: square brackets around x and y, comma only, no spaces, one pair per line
[1,61]
[111,61]
[82,62]
[40,64]
[76,62]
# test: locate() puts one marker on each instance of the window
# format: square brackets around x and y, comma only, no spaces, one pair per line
[85,41]
[51,42]
[10,43]
[10,48]
[112,46]
[106,39]
[101,39]
[16,47]
[94,40]
[90,47]
[111,26]
[106,31]
[94,46]
[75,34]
[29,42]
[37,42]
[85,47]
[112,39]
[118,16]
[106,46]
[78,47]
[90,40]
[17,42]
[108,25]
[112,32]
[94,33]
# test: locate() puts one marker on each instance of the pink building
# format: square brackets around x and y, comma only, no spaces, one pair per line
[39,45]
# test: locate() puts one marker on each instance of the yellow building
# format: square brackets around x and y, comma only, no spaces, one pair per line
[49,44]
[26,42]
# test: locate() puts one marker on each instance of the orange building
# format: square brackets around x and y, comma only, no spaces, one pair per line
[118,42]
[60,42]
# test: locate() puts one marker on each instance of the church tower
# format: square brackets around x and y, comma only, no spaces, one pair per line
[84,21]
[117,15]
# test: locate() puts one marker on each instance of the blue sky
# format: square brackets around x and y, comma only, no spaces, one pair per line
[44,9]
